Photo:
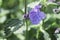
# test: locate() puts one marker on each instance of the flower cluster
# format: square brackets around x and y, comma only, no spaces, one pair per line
[35,15]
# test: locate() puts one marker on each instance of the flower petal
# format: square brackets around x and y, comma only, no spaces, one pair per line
[35,17]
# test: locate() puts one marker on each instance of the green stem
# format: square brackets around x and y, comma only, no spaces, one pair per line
[26,31]
[26,36]
[40,26]
[38,33]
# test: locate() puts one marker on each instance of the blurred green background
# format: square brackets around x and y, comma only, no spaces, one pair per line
[12,24]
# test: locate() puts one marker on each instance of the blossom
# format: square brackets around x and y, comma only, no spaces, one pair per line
[51,0]
[57,30]
[38,6]
[26,16]
[35,15]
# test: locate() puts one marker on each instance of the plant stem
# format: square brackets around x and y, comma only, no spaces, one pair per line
[38,33]
[26,36]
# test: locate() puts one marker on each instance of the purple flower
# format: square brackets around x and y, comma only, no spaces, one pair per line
[51,0]
[38,6]
[26,16]
[35,15]
[57,30]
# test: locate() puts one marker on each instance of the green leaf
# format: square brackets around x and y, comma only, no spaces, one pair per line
[58,36]
[2,19]
[48,8]
[8,4]
[3,12]
[0,2]
[12,25]
[13,37]
[46,35]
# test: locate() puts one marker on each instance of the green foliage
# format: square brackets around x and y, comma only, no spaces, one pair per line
[13,24]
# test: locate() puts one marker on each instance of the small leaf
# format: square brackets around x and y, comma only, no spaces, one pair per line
[12,25]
